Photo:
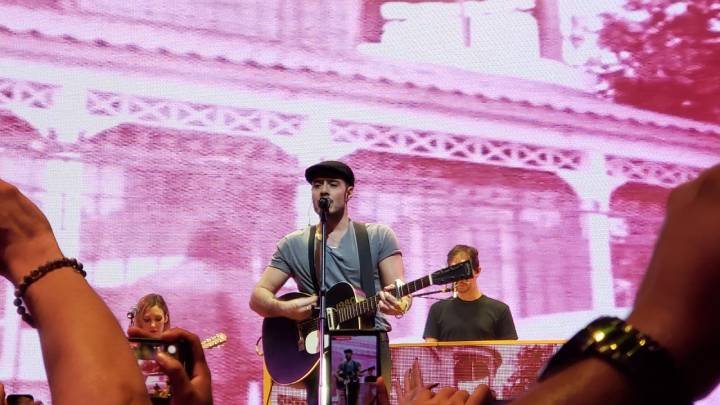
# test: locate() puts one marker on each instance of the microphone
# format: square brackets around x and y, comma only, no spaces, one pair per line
[324,203]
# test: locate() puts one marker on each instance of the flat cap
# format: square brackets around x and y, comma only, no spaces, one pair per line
[331,168]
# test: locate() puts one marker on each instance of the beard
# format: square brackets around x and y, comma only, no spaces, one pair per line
[462,287]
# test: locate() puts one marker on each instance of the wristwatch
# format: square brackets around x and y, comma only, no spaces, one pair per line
[647,364]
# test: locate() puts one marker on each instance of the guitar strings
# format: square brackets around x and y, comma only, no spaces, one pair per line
[353,310]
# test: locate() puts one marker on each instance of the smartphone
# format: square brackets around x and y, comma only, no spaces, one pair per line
[146,350]
[20,399]
[354,366]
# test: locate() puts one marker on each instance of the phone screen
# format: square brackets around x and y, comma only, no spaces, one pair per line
[354,365]
[146,350]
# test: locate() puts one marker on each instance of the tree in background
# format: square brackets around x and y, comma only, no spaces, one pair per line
[667,57]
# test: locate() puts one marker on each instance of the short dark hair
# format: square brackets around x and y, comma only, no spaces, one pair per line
[348,351]
[468,250]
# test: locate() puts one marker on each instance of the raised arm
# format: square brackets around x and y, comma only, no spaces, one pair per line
[677,306]
[86,355]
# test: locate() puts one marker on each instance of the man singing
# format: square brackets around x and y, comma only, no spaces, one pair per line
[333,181]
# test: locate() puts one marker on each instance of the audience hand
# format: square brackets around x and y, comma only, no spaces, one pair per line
[79,336]
[195,389]
[677,303]
[413,391]
[26,238]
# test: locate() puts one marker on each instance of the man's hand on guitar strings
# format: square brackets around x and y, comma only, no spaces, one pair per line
[390,305]
[298,309]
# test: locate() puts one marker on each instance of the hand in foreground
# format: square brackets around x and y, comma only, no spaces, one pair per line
[678,301]
[415,392]
[26,238]
[195,389]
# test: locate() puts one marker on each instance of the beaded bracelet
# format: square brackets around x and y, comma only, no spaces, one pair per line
[36,275]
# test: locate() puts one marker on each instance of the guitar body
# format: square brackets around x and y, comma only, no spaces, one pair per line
[284,353]
[283,339]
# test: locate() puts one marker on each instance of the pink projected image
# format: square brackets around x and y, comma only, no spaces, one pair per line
[167,141]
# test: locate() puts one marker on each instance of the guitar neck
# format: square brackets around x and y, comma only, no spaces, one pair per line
[369,306]
[346,312]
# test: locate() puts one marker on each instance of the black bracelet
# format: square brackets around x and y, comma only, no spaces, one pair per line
[36,275]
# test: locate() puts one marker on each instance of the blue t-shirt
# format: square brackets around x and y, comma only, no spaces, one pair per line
[342,263]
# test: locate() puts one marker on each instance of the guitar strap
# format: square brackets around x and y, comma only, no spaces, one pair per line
[366,269]
[311,259]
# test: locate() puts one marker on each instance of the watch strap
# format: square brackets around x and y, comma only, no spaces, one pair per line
[649,366]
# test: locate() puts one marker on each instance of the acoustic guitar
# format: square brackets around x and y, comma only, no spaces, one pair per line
[291,348]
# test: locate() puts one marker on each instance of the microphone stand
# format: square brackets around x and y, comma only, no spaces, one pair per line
[323,385]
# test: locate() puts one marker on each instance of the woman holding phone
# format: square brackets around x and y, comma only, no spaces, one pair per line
[152,315]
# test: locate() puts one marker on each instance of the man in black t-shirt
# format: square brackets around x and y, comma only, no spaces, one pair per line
[472,315]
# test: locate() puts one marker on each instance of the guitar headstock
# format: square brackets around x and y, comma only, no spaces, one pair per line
[214,341]
[450,274]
